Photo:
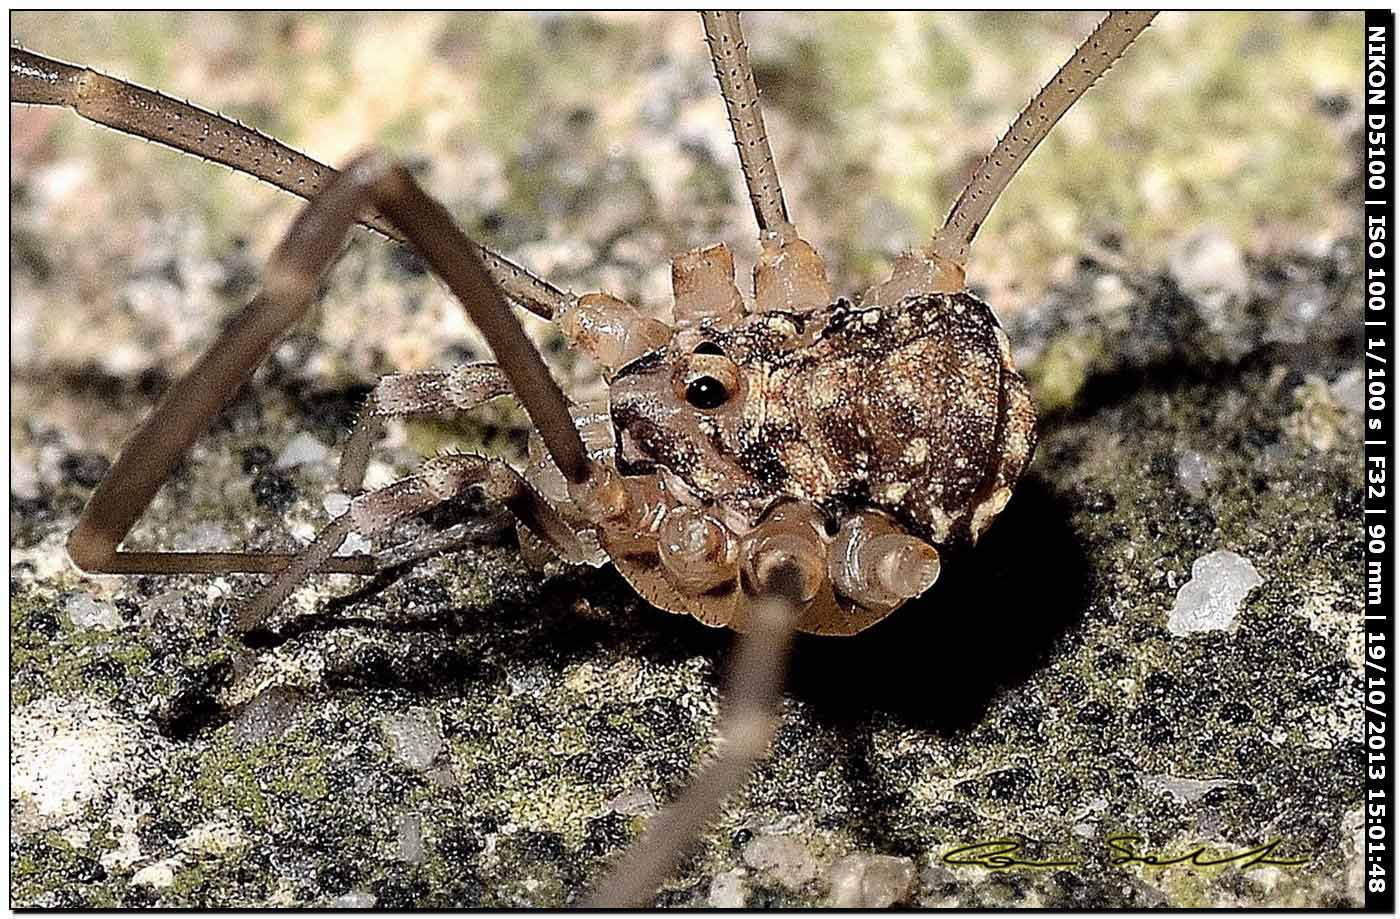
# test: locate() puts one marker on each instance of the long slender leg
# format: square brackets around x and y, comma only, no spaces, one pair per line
[288,285]
[403,395]
[452,256]
[188,406]
[731,59]
[789,275]
[472,532]
[133,109]
[747,722]
[1090,61]
[441,479]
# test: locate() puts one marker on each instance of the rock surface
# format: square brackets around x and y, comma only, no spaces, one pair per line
[473,732]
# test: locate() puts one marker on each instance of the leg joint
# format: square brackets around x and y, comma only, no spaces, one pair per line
[91,551]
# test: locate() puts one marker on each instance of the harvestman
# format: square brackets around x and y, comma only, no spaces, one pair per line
[776,462]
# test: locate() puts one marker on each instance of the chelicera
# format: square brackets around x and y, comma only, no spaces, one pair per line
[774,460]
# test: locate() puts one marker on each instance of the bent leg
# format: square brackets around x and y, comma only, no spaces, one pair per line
[441,479]
[407,395]
[291,280]
[188,407]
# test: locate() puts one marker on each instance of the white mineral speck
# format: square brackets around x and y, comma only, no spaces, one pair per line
[86,613]
[410,829]
[302,450]
[1183,789]
[414,739]
[355,899]
[336,503]
[204,536]
[784,858]
[1111,295]
[1211,599]
[55,183]
[159,876]
[1349,391]
[727,890]
[211,839]
[24,480]
[1209,268]
[355,544]
[635,802]
[1193,471]
[378,474]
[870,881]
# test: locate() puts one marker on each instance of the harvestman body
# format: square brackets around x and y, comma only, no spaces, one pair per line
[777,461]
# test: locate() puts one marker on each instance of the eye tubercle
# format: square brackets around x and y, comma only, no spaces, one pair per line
[707,381]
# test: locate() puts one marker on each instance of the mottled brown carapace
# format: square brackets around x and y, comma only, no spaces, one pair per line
[874,432]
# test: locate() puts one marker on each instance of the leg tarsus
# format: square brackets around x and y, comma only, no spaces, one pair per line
[221,563]
[271,596]
[458,536]
[1090,60]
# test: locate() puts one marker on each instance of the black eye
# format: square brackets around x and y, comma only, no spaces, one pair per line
[706,393]
[708,347]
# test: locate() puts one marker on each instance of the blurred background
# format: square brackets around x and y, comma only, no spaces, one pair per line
[593,147]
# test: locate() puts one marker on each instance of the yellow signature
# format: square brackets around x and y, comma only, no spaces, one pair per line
[1006,853]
